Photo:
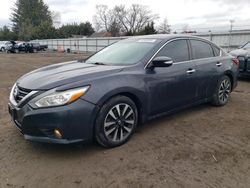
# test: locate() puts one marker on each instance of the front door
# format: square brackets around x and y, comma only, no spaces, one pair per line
[175,86]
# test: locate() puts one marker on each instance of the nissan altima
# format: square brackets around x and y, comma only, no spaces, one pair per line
[106,96]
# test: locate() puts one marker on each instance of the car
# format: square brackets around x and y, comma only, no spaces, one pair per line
[106,96]
[38,47]
[19,47]
[243,55]
[3,45]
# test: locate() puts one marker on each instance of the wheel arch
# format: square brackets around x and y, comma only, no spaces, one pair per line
[137,97]
[230,75]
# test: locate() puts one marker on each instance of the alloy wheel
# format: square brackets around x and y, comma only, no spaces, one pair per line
[224,91]
[119,122]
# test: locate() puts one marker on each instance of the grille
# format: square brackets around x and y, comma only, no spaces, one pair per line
[19,93]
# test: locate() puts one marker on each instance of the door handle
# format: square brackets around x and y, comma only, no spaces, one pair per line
[218,64]
[191,71]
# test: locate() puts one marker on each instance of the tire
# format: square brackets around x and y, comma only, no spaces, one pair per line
[2,49]
[16,51]
[222,92]
[116,122]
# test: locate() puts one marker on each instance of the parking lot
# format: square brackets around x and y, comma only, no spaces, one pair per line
[204,146]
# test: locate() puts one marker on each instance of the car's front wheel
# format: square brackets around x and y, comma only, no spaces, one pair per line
[116,122]
[222,92]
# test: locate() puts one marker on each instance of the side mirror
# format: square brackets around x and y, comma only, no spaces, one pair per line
[162,61]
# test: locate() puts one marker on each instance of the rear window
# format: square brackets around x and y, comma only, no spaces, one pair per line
[216,51]
[201,49]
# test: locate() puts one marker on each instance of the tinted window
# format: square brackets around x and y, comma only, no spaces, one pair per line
[201,49]
[216,51]
[177,50]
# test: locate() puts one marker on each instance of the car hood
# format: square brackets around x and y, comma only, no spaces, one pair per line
[240,52]
[64,73]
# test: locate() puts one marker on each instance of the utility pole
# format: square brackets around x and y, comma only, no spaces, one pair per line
[230,34]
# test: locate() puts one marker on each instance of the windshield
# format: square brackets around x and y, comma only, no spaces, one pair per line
[125,52]
[247,46]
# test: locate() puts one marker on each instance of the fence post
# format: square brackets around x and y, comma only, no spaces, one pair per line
[87,45]
[96,45]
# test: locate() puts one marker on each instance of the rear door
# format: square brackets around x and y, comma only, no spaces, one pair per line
[208,66]
[175,86]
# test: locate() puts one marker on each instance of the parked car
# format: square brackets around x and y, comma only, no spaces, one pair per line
[38,47]
[243,55]
[3,45]
[19,47]
[134,80]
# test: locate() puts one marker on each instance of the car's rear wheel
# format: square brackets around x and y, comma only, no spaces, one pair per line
[222,93]
[16,51]
[116,122]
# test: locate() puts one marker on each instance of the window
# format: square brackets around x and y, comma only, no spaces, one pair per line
[124,52]
[201,49]
[216,51]
[177,50]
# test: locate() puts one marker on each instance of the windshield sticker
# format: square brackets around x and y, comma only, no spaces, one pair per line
[147,40]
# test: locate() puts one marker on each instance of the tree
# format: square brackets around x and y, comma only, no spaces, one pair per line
[85,29]
[25,30]
[121,19]
[7,34]
[29,13]
[135,18]
[44,31]
[68,30]
[105,19]
[164,27]
[148,29]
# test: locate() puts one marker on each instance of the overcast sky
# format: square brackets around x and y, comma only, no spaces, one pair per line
[212,14]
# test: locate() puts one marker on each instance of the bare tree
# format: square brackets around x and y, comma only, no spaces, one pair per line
[135,18]
[105,19]
[121,19]
[164,27]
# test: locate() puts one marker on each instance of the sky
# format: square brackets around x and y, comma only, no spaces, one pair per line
[200,15]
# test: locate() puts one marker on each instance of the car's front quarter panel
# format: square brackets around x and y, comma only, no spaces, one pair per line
[128,81]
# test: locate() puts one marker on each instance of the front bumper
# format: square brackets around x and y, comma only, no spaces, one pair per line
[51,140]
[75,122]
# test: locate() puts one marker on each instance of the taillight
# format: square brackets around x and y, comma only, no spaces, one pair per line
[236,62]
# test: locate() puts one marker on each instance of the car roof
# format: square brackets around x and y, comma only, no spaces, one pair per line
[167,36]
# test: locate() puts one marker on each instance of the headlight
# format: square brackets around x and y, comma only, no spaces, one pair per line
[61,98]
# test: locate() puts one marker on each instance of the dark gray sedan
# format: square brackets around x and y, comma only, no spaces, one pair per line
[106,96]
